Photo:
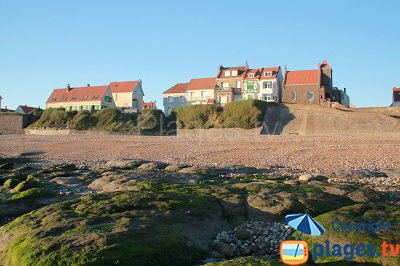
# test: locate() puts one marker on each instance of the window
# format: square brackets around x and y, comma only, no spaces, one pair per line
[250,86]
[97,107]
[108,99]
[64,98]
[73,98]
[170,99]
[85,97]
[293,96]
[203,94]
[234,73]
[95,97]
[227,73]
[181,98]
[251,75]
[310,96]
[268,74]
[238,84]
[267,97]
[268,85]
[135,104]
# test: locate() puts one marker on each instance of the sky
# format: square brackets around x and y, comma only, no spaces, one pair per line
[47,44]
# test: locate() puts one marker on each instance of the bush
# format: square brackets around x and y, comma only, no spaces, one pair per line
[28,184]
[114,120]
[150,119]
[82,121]
[11,183]
[55,118]
[34,116]
[34,193]
[244,114]
[196,116]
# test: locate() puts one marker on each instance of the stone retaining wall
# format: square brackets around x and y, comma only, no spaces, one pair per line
[12,123]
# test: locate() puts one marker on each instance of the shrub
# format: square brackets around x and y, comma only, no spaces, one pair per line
[34,116]
[244,114]
[150,119]
[11,183]
[28,184]
[34,193]
[55,118]
[114,120]
[83,121]
[196,116]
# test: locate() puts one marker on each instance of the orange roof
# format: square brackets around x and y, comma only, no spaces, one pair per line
[177,88]
[274,70]
[302,77]
[149,105]
[202,84]
[123,86]
[255,71]
[241,71]
[396,89]
[93,93]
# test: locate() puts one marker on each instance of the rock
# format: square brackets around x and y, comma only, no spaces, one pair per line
[243,234]
[225,250]
[7,166]
[291,182]
[152,166]
[306,177]
[173,168]
[192,170]
[124,164]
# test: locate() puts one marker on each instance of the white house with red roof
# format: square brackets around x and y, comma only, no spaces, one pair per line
[263,84]
[24,109]
[128,94]
[201,91]
[174,97]
[81,98]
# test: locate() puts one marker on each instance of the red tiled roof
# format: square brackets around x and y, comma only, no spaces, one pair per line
[27,109]
[241,71]
[255,71]
[396,89]
[274,70]
[123,86]
[177,88]
[202,84]
[93,93]
[302,77]
[149,105]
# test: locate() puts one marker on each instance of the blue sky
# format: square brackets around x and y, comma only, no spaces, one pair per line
[47,44]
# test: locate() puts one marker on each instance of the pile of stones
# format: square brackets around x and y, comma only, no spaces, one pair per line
[250,238]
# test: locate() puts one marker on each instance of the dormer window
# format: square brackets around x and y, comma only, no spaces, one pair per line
[227,73]
[234,73]
[268,74]
[95,97]
[85,97]
[251,75]
[64,98]
[53,99]
[73,98]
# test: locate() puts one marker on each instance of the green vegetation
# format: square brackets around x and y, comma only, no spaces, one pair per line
[106,119]
[34,193]
[11,183]
[196,116]
[244,114]
[28,184]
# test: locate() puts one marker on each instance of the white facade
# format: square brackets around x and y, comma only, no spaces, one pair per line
[199,96]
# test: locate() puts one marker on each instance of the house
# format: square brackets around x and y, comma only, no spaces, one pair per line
[81,98]
[230,83]
[396,96]
[149,105]
[24,109]
[201,91]
[128,95]
[312,87]
[174,97]
[263,84]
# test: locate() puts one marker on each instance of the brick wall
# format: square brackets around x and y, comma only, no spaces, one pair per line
[12,124]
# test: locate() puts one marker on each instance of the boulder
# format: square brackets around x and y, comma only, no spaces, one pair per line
[173,168]
[310,177]
[152,166]
[225,249]
[125,164]
[243,234]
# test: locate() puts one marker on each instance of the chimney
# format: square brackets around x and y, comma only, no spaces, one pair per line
[88,84]
[344,89]
[68,87]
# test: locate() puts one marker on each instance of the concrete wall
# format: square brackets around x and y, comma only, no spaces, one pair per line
[12,124]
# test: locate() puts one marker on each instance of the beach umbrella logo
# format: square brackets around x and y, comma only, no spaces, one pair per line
[295,252]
